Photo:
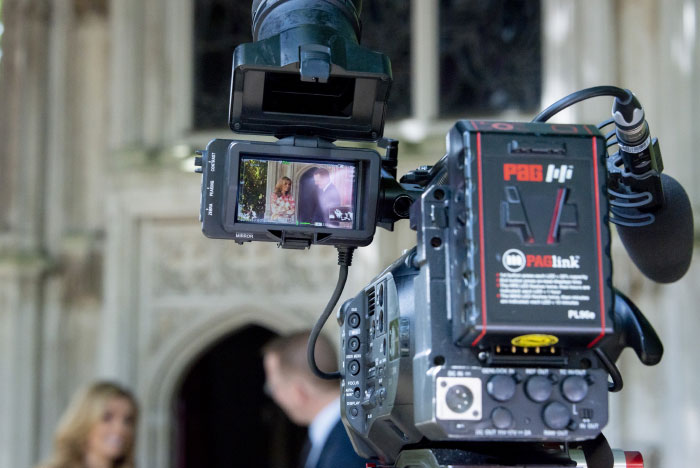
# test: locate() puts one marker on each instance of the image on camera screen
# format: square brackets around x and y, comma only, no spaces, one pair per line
[296,192]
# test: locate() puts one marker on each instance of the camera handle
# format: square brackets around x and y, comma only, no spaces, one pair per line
[634,331]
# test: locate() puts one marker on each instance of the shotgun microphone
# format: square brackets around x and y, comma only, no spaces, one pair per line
[663,249]
[652,211]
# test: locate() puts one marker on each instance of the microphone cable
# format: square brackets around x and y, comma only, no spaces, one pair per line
[579,96]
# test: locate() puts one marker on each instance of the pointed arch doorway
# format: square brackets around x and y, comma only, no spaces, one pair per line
[222,416]
[307,198]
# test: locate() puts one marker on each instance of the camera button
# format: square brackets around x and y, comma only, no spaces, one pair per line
[574,388]
[556,415]
[502,418]
[501,387]
[381,395]
[354,344]
[354,367]
[538,388]
[354,320]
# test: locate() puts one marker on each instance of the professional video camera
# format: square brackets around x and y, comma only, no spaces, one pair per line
[491,342]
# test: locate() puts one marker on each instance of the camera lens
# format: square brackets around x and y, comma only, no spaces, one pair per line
[272,17]
[459,398]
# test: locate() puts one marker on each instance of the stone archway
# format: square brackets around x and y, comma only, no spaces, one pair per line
[222,416]
[172,293]
[306,198]
[169,367]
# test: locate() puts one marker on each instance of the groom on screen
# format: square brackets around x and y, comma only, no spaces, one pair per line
[328,196]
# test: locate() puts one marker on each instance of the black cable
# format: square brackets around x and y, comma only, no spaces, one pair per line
[344,260]
[582,95]
[616,384]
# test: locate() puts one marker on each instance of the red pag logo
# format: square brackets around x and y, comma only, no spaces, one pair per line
[523,172]
[535,172]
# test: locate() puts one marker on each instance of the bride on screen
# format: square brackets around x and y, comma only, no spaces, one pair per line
[283,207]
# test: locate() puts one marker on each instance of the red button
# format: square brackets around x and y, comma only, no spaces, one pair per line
[634,460]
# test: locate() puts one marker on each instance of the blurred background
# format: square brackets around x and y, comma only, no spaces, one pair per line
[104,271]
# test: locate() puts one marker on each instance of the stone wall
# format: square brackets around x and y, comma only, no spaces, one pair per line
[104,271]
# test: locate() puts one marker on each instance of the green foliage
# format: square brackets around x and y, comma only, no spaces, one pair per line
[252,196]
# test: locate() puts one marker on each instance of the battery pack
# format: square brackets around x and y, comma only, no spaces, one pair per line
[537,242]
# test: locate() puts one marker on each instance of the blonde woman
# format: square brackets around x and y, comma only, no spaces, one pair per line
[283,206]
[97,430]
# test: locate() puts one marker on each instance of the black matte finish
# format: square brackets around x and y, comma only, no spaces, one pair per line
[664,249]
[549,179]
[634,331]
[306,73]
[428,301]
[271,17]
[221,182]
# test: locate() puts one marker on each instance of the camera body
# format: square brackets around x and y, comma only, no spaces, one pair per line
[485,330]
[501,325]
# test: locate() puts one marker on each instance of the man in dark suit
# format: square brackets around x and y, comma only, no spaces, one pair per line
[309,400]
[328,196]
